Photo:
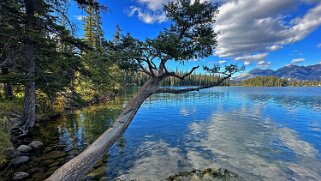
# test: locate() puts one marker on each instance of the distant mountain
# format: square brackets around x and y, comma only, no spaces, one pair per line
[294,72]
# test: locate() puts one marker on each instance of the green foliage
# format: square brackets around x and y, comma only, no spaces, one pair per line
[92,27]
[4,144]
[189,36]
[14,105]
[191,80]
[272,81]
[268,81]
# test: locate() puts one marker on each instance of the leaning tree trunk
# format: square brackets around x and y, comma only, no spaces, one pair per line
[76,168]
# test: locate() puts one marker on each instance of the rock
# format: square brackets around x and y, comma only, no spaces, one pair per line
[222,171]
[194,177]
[24,148]
[98,164]
[39,176]
[97,173]
[53,168]
[61,160]
[103,179]
[48,161]
[207,177]
[19,160]
[20,175]
[36,159]
[121,178]
[36,169]
[36,144]
[55,164]
[59,147]
[48,149]
[11,153]
[55,154]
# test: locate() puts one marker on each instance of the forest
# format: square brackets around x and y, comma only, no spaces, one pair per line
[272,81]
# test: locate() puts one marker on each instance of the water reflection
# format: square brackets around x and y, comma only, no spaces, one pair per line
[259,133]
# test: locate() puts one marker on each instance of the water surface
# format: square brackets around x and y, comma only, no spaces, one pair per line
[259,133]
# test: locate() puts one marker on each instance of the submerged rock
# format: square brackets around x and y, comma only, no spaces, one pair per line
[54,164]
[55,154]
[97,173]
[205,175]
[103,179]
[48,161]
[20,160]
[20,175]
[36,144]
[24,148]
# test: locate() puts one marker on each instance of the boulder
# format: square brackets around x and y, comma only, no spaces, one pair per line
[20,175]
[24,148]
[36,144]
[19,160]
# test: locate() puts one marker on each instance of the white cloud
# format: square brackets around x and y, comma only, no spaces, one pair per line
[275,47]
[249,26]
[80,17]
[263,64]
[154,5]
[222,61]
[256,57]
[297,60]
[246,63]
[319,45]
[148,17]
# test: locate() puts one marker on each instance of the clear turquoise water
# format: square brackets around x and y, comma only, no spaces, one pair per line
[259,133]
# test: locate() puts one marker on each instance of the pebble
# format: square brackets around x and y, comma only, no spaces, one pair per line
[20,175]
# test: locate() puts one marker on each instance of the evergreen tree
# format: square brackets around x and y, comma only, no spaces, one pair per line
[31,33]
[92,28]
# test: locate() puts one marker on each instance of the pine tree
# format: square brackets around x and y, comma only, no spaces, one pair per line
[92,26]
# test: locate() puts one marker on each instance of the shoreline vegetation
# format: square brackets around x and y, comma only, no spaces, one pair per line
[272,81]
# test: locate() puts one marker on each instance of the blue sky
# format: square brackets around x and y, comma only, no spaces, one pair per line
[257,33]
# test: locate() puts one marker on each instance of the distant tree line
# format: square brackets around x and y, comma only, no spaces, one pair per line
[195,79]
[273,81]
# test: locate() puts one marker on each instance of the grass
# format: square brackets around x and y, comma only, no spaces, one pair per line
[5,107]
[11,105]
[4,144]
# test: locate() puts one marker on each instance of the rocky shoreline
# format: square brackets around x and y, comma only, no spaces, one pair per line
[26,151]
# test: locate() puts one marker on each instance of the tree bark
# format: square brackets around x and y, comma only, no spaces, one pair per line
[76,168]
[28,118]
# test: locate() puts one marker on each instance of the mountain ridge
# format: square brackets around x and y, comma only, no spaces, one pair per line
[290,72]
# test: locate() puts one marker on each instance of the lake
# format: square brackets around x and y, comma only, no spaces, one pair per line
[258,133]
